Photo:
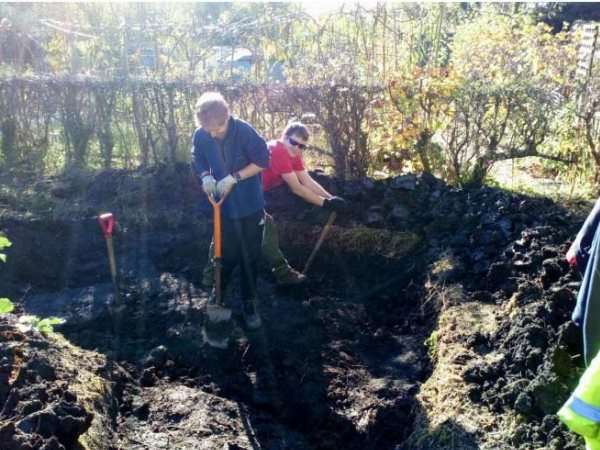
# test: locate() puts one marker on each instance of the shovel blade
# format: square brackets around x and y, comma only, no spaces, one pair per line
[216,333]
[218,313]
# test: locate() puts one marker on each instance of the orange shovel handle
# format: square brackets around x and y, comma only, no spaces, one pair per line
[217,230]
[217,223]
[217,239]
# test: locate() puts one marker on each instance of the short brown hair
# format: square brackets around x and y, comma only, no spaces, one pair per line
[297,128]
[211,109]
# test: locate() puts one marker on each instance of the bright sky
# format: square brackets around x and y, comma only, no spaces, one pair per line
[318,7]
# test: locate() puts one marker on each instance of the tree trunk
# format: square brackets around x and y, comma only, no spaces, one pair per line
[103,117]
[8,130]
[139,128]
[340,154]
[107,144]
[423,145]
[172,128]
[480,170]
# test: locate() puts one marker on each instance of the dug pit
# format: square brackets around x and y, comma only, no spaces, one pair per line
[373,353]
[336,364]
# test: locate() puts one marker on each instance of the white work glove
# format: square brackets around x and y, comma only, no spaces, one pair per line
[225,185]
[209,185]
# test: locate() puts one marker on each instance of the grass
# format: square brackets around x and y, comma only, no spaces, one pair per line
[432,343]
[375,241]
[445,418]
[442,267]
[526,176]
[84,370]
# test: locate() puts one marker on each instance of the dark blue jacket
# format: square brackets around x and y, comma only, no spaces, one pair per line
[241,146]
[587,311]
[583,241]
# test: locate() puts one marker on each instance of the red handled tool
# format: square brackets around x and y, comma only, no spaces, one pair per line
[107,223]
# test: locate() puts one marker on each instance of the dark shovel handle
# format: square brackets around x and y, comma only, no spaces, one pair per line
[322,237]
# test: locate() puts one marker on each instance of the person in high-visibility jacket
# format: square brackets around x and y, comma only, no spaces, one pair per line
[584,255]
[581,413]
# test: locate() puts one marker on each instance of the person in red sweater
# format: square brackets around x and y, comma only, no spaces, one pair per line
[287,167]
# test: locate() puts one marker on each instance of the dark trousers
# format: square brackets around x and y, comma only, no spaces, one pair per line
[270,247]
[241,242]
[270,250]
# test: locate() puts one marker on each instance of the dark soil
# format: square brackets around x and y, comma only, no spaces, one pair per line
[338,362]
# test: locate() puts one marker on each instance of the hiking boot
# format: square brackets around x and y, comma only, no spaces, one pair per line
[286,276]
[251,317]
[208,276]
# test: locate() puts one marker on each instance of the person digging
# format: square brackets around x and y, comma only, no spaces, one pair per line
[228,155]
[286,167]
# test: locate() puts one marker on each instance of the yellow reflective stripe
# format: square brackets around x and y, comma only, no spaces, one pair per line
[584,409]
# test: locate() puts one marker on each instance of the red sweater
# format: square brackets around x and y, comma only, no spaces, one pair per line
[281,163]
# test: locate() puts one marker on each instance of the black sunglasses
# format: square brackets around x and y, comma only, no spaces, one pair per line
[295,143]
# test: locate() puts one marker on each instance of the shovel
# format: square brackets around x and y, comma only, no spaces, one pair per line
[107,222]
[217,312]
[322,237]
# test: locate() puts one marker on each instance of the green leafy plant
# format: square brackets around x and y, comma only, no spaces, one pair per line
[432,344]
[4,242]
[28,322]
[6,306]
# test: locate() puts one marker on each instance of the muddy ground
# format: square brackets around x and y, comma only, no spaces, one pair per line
[435,318]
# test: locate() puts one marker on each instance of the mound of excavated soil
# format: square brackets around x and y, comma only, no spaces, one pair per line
[52,392]
[507,354]
[477,274]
